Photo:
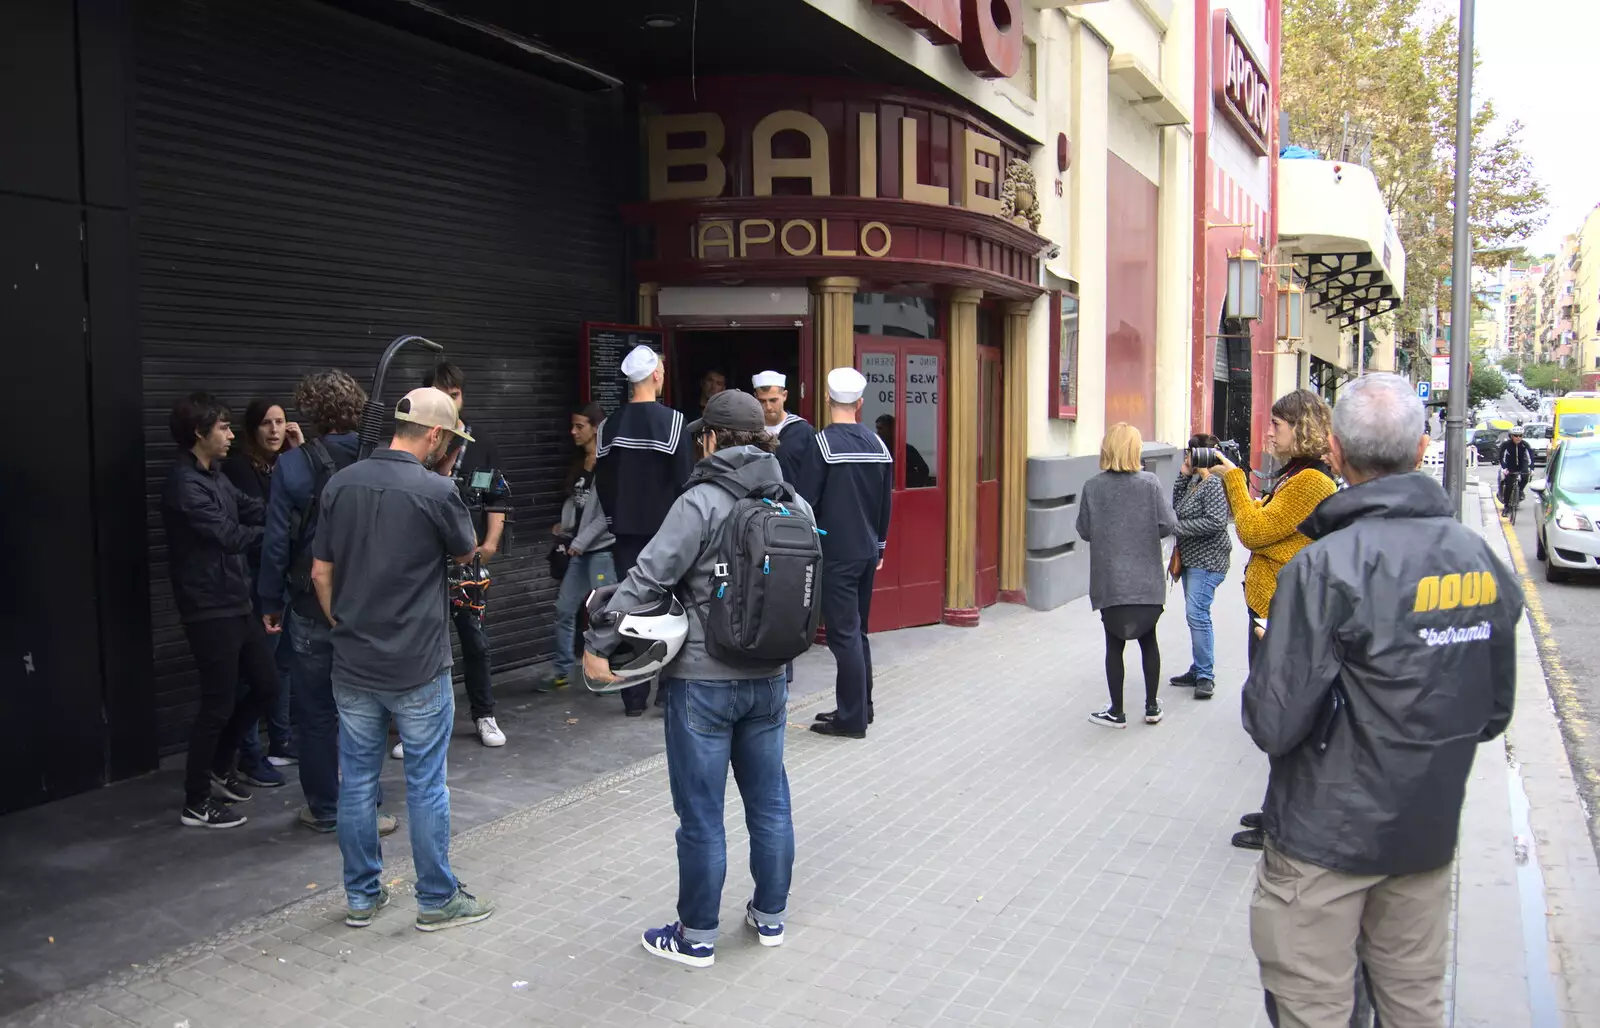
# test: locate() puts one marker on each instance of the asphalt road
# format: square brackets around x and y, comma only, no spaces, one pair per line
[1566,626]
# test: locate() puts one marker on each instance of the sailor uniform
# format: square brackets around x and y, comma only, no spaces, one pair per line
[795,437]
[643,457]
[847,475]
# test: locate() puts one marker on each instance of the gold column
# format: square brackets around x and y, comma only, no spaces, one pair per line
[1014,452]
[834,332]
[648,292]
[961,474]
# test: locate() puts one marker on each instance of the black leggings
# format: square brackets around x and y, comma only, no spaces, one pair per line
[1131,622]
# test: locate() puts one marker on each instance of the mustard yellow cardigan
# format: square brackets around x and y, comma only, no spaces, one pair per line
[1270,528]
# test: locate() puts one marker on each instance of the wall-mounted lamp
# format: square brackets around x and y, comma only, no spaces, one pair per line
[1291,313]
[1244,286]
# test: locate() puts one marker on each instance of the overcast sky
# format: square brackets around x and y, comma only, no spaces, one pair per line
[1537,64]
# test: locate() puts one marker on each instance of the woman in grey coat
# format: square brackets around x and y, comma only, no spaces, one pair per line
[1123,513]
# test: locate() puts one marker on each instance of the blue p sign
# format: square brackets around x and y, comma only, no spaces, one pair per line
[1424,390]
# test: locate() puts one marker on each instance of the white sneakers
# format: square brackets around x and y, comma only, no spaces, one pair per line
[489,732]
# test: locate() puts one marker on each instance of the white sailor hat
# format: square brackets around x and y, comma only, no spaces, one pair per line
[845,385]
[767,379]
[640,363]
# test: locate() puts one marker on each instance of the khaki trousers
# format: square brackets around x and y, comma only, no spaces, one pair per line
[1309,925]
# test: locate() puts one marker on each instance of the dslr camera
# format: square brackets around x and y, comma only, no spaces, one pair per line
[1202,457]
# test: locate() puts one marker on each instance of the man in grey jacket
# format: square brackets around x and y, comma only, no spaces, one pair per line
[717,713]
[1389,655]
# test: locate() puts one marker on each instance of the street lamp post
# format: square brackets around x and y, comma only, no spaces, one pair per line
[1460,271]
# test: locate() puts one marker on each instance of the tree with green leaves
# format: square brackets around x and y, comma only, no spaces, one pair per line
[1487,384]
[1374,81]
[1549,377]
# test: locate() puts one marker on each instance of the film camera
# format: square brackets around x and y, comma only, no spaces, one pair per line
[485,492]
[1201,457]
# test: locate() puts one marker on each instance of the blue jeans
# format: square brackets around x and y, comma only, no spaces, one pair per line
[585,573]
[282,742]
[711,725]
[425,716]
[316,717]
[1199,589]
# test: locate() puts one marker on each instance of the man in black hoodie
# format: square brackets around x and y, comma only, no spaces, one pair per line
[210,527]
[1390,654]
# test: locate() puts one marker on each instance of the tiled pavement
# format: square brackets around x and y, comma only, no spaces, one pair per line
[985,857]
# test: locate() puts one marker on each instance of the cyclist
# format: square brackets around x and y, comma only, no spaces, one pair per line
[1516,464]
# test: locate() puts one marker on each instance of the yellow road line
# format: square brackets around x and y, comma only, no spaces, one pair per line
[1562,691]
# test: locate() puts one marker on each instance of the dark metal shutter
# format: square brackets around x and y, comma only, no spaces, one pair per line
[312,185]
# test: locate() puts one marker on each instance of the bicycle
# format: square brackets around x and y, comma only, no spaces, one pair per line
[1512,494]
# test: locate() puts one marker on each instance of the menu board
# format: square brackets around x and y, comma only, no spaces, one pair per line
[604,346]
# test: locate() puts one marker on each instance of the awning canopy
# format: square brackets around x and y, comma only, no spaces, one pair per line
[1333,226]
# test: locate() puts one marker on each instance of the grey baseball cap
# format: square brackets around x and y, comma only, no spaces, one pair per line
[732,410]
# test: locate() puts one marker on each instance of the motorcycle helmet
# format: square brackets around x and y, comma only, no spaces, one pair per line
[650,638]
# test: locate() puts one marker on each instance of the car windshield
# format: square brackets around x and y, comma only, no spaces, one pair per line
[1579,424]
[1580,470]
[1538,431]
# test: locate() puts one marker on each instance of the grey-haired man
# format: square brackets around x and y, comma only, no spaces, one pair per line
[1390,654]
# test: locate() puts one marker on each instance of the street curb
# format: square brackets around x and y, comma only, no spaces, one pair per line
[1562,847]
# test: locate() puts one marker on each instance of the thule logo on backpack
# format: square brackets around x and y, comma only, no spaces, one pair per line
[811,574]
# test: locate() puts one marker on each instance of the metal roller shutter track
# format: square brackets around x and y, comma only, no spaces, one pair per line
[312,185]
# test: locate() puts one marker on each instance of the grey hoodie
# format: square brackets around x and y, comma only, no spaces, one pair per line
[680,552]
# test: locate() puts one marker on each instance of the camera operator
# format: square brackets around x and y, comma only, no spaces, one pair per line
[1201,557]
[1516,464]
[477,459]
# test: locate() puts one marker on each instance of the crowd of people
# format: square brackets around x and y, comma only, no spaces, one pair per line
[1380,645]
[1380,653]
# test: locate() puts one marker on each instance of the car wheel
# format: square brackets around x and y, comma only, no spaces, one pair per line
[1553,573]
[1538,547]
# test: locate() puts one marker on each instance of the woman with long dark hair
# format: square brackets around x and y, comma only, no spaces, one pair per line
[1202,555]
[582,538]
[1123,514]
[268,434]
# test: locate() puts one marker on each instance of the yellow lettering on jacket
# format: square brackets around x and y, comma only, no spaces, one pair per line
[1447,592]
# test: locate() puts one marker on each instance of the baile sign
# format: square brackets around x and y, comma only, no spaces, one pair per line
[1240,84]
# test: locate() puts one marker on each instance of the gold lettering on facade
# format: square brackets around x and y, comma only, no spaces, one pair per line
[811,244]
[766,167]
[711,234]
[746,237]
[867,158]
[973,172]
[888,240]
[910,188]
[663,157]
[828,251]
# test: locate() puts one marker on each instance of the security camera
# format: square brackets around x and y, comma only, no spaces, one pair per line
[1050,252]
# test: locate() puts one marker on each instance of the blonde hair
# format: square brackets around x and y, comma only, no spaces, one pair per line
[1122,448]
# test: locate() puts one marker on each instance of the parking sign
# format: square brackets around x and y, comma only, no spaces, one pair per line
[1424,390]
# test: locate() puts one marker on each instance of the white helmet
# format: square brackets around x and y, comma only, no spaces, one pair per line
[650,638]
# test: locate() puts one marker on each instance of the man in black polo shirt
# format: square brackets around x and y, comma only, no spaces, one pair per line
[489,523]
[387,527]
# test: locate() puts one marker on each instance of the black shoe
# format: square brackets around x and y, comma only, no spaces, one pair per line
[211,814]
[832,728]
[1249,839]
[229,788]
[1152,713]
[1204,688]
[633,713]
[1185,679]
[828,716]
[1251,821]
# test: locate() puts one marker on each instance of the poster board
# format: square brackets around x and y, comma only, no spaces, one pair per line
[600,364]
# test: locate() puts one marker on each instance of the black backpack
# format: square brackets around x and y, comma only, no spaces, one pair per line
[766,583]
[302,526]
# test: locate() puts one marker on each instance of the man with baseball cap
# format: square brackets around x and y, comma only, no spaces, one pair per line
[794,433]
[388,525]
[642,459]
[848,478]
[738,711]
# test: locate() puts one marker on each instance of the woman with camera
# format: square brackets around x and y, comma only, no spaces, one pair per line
[582,551]
[1270,526]
[1201,556]
[1123,513]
